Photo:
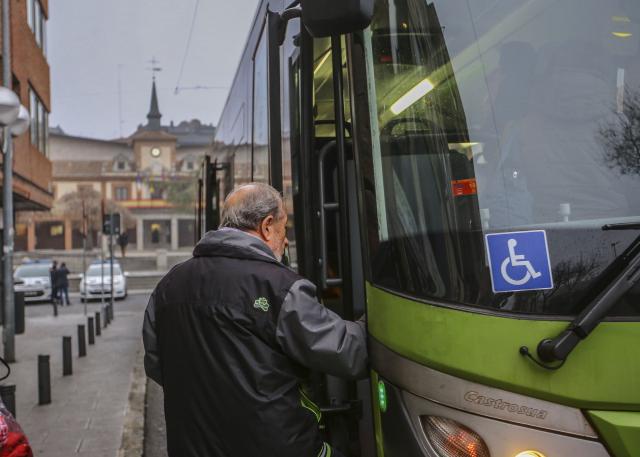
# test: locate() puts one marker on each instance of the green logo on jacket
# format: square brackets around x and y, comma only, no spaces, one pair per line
[261,303]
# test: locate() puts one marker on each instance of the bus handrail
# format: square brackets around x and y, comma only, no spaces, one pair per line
[325,207]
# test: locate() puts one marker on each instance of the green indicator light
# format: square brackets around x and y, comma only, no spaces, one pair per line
[382,396]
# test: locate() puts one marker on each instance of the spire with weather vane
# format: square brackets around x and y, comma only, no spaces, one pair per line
[154,116]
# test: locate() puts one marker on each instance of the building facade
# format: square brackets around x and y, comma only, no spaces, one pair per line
[151,175]
[32,168]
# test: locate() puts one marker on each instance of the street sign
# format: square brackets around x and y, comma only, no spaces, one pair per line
[106,224]
[519,261]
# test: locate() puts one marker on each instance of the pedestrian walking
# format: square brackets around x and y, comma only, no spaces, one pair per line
[123,242]
[63,284]
[232,335]
[53,278]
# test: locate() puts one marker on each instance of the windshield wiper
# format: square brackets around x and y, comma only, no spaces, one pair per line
[621,275]
[622,226]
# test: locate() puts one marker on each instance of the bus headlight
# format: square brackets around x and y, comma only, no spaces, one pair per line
[530,454]
[452,439]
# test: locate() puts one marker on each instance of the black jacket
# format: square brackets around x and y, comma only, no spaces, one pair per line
[61,277]
[230,334]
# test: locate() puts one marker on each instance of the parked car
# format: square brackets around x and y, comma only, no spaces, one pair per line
[92,287]
[32,278]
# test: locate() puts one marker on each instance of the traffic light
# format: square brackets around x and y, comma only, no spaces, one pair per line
[106,224]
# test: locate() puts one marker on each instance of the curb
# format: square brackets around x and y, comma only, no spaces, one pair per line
[133,432]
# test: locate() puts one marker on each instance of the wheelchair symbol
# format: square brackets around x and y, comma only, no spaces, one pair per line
[517,260]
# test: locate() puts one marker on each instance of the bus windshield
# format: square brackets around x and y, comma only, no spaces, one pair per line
[501,116]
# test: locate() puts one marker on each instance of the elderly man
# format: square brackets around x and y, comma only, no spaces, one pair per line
[231,335]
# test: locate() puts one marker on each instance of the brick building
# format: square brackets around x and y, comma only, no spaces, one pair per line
[31,81]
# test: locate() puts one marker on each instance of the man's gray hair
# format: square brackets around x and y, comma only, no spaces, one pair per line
[247,211]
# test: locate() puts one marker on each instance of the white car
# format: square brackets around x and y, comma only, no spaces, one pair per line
[93,287]
[34,281]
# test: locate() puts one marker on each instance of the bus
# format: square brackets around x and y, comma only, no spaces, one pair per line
[466,172]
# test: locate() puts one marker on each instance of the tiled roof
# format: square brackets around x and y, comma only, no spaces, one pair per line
[152,135]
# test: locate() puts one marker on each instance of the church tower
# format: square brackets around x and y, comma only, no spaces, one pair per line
[154,148]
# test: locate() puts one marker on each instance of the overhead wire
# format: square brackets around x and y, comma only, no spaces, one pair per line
[186,51]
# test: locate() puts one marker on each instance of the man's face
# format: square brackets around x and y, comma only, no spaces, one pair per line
[274,233]
[281,236]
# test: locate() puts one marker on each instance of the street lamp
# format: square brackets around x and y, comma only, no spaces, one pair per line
[21,124]
[9,107]
[14,120]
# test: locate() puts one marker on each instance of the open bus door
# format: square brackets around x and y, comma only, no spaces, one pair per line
[214,183]
[318,179]
[339,259]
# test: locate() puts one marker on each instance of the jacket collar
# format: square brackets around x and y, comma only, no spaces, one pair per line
[230,242]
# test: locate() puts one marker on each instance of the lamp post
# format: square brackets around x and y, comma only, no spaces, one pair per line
[14,121]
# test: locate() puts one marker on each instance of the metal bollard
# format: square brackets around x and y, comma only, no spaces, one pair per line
[19,312]
[44,380]
[67,362]
[82,341]
[98,324]
[92,337]
[8,394]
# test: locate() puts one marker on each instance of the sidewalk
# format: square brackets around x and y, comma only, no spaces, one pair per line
[90,408]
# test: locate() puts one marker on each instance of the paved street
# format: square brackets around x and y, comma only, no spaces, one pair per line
[155,434]
[104,396]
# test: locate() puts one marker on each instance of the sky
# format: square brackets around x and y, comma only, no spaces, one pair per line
[100,52]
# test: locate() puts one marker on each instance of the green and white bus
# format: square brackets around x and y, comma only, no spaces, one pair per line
[467,172]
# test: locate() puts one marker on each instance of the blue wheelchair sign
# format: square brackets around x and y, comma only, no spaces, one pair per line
[519,261]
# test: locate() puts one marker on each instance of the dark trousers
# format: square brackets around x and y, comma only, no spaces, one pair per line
[55,294]
[64,293]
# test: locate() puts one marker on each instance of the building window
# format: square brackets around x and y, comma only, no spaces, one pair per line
[121,163]
[39,123]
[121,193]
[30,13]
[156,191]
[37,22]
[33,108]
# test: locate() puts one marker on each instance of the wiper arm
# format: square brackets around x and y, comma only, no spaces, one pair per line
[626,273]
[622,226]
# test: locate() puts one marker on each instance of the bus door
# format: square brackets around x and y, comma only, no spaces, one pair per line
[337,244]
[214,183]
[314,184]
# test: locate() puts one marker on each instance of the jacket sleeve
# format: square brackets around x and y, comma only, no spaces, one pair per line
[318,338]
[150,340]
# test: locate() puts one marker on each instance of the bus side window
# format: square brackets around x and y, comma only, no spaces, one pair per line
[291,149]
[260,140]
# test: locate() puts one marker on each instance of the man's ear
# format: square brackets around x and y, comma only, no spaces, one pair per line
[266,227]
